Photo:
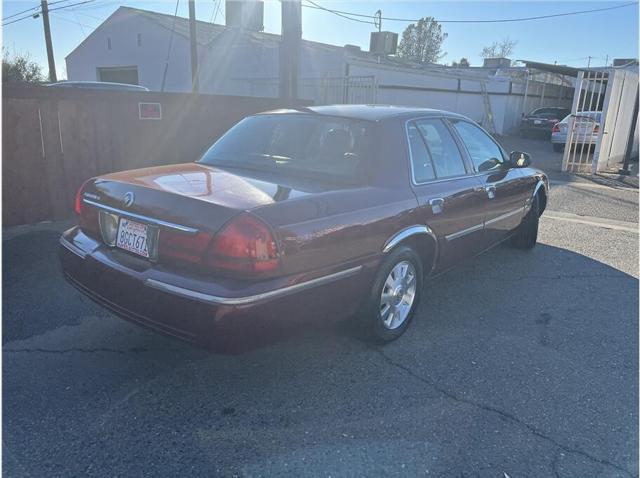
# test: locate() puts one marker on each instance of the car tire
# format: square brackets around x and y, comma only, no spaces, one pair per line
[526,236]
[374,318]
[558,147]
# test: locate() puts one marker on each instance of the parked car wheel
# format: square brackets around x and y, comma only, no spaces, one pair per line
[558,147]
[526,235]
[394,296]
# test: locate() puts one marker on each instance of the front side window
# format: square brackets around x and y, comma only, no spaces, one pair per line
[300,144]
[485,154]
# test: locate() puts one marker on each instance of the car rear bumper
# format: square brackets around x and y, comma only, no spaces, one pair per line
[231,315]
[561,138]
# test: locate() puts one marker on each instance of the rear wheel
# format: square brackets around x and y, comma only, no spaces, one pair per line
[526,235]
[394,296]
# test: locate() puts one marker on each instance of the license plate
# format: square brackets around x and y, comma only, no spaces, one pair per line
[537,121]
[133,237]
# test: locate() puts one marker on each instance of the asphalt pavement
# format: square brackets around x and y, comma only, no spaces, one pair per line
[519,364]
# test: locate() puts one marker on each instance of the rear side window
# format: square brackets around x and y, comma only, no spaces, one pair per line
[420,157]
[485,154]
[434,152]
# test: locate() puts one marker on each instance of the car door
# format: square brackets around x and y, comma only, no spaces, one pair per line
[505,188]
[448,193]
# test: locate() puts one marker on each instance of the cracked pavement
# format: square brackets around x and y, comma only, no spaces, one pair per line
[518,363]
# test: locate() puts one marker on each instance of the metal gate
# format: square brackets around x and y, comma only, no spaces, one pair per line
[585,126]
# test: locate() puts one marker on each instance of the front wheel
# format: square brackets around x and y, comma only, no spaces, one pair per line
[526,235]
[394,296]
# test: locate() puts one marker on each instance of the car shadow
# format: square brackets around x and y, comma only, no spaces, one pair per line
[513,341]
[486,286]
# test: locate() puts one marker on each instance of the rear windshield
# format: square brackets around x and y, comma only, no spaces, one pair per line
[589,115]
[316,146]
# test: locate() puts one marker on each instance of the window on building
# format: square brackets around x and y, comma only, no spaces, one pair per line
[108,43]
[119,74]
[139,39]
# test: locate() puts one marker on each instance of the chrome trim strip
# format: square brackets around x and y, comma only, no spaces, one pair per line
[539,185]
[504,216]
[272,294]
[405,233]
[73,248]
[412,231]
[464,232]
[157,222]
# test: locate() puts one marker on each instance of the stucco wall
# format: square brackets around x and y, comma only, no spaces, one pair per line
[122,28]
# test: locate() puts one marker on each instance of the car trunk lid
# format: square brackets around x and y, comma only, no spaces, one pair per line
[184,205]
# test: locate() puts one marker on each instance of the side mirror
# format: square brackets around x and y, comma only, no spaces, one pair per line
[519,159]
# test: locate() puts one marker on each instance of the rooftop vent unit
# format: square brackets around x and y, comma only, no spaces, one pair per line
[496,63]
[245,14]
[625,62]
[383,43]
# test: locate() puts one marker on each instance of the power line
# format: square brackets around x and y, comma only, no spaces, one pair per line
[20,19]
[503,20]
[166,63]
[216,10]
[30,15]
[20,13]
[72,5]
[339,13]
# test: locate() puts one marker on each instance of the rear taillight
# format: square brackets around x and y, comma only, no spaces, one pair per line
[245,245]
[78,203]
[87,215]
[183,247]
[555,129]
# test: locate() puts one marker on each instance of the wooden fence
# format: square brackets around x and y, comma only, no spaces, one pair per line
[55,138]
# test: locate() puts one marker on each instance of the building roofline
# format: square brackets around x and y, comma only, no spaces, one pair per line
[86,39]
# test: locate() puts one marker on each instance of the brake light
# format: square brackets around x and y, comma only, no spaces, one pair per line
[183,247]
[245,245]
[555,129]
[78,204]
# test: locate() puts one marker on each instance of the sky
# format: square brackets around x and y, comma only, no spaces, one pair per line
[567,40]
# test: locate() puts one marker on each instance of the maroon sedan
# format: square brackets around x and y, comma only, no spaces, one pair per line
[294,216]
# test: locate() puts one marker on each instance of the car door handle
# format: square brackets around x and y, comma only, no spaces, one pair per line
[437,205]
[491,191]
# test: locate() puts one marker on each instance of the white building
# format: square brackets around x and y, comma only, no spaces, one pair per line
[152,49]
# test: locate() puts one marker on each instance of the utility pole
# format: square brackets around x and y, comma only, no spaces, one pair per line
[47,39]
[606,60]
[290,43]
[589,61]
[194,46]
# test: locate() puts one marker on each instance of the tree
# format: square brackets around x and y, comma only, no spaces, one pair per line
[20,69]
[422,41]
[463,63]
[501,49]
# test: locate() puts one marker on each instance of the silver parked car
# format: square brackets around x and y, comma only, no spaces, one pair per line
[586,129]
[98,85]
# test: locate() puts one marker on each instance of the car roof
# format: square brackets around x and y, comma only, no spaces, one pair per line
[98,84]
[367,112]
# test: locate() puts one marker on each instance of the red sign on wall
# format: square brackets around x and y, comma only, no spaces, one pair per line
[152,111]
